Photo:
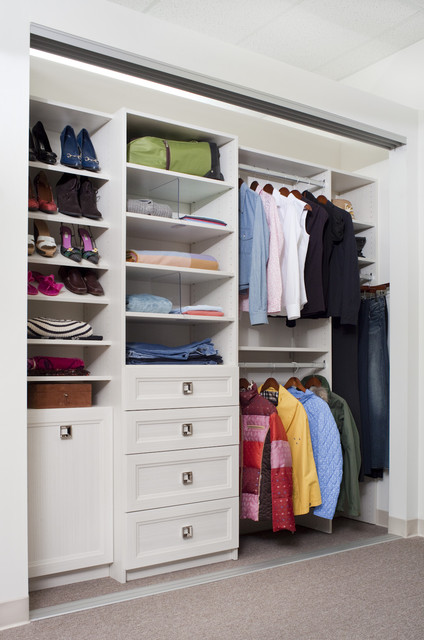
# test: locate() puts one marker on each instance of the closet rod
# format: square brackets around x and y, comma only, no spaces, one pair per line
[283,365]
[284,176]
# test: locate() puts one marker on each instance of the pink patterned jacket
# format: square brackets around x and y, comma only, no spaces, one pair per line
[266,474]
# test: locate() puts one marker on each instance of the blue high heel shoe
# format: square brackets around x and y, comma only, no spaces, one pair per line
[89,158]
[71,152]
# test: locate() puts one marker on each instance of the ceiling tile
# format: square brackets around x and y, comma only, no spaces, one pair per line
[220,19]
[309,44]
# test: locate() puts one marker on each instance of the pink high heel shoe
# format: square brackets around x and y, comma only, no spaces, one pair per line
[47,284]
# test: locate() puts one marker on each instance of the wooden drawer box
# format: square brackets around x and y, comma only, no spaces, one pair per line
[172,429]
[58,395]
[164,535]
[150,387]
[180,477]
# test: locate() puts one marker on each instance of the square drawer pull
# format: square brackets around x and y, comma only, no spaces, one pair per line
[187,388]
[65,432]
[187,429]
[187,532]
[187,477]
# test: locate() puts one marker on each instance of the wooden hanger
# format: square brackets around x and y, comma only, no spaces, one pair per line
[298,195]
[269,188]
[270,382]
[322,200]
[294,382]
[254,185]
[244,383]
[313,382]
[284,191]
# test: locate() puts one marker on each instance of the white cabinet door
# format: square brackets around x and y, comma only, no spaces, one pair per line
[180,477]
[69,489]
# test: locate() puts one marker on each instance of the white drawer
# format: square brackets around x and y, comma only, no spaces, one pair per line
[172,429]
[180,477]
[165,535]
[174,386]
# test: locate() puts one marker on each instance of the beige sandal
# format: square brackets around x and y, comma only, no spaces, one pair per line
[31,244]
[44,243]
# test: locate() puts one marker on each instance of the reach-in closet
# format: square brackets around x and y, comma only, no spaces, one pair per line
[146,479]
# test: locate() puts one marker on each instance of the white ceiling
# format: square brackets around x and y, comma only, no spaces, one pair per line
[333,38]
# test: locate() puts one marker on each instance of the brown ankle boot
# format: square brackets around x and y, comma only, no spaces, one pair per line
[67,195]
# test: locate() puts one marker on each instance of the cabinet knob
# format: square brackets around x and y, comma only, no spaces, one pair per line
[187,532]
[187,477]
[187,429]
[187,388]
[65,432]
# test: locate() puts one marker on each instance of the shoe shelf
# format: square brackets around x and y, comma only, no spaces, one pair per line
[67,296]
[100,176]
[69,343]
[61,218]
[359,226]
[58,115]
[365,262]
[89,378]
[155,228]
[59,260]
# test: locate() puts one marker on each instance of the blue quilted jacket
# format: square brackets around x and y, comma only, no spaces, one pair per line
[326,447]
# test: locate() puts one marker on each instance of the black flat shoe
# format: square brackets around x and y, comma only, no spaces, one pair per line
[42,146]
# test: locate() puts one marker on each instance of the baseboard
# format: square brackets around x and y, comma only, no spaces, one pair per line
[69,577]
[382,518]
[406,528]
[14,613]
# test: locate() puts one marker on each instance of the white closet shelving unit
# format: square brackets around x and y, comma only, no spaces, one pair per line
[70,449]
[177,497]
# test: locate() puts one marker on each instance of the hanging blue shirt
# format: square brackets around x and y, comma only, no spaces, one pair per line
[253,253]
[326,447]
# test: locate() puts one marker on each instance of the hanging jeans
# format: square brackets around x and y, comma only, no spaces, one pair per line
[373,368]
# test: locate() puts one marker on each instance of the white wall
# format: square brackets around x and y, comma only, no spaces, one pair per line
[98,21]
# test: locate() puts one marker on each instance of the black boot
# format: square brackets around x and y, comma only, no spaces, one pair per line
[88,200]
[67,195]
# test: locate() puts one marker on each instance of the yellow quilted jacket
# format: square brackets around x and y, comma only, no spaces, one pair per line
[306,491]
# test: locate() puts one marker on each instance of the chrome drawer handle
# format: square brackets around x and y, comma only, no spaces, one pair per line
[187,532]
[65,432]
[187,477]
[187,388]
[187,429]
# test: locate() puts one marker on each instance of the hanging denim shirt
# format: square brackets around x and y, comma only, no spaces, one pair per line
[253,253]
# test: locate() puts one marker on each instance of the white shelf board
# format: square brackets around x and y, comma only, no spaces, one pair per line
[139,271]
[68,378]
[69,343]
[59,115]
[364,262]
[155,228]
[344,182]
[170,318]
[61,168]
[66,296]
[63,219]
[283,349]
[171,185]
[362,226]
[59,260]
